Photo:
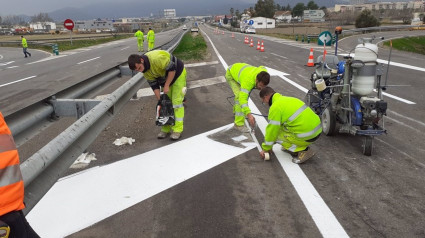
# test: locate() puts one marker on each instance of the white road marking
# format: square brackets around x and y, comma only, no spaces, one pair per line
[101,192]
[47,59]
[393,63]
[325,220]
[279,55]
[85,61]
[11,67]
[125,48]
[1,56]
[200,64]
[396,98]
[17,81]
[4,64]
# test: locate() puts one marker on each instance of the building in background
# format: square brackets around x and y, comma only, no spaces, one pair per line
[260,23]
[283,16]
[169,13]
[42,26]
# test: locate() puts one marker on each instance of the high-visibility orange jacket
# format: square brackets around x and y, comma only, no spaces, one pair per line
[11,183]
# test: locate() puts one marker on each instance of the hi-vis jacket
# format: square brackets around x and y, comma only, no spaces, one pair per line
[150,36]
[139,35]
[24,43]
[246,76]
[11,183]
[292,116]
[157,64]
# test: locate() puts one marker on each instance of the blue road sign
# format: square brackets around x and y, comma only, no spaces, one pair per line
[251,22]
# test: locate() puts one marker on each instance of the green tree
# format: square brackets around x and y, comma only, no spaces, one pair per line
[238,14]
[265,8]
[366,19]
[232,10]
[278,7]
[288,8]
[312,6]
[298,10]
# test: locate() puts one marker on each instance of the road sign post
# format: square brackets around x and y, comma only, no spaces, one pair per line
[69,24]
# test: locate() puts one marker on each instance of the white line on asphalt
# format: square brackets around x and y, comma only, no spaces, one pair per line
[325,220]
[405,117]
[99,193]
[200,64]
[396,98]
[1,56]
[279,55]
[47,59]
[125,48]
[85,61]
[11,67]
[17,81]
[4,64]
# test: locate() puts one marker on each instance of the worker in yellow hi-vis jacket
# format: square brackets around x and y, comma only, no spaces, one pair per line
[140,39]
[151,39]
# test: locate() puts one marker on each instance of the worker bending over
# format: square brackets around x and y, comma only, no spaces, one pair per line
[242,78]
[162,69]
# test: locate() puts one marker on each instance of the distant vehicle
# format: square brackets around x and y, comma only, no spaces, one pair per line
[248,29]
[184,27]
[194,29]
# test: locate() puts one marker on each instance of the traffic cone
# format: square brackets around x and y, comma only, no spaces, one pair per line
[258,45]
[252,43]
[262,46]
[246,40]
[233,35]
[222,32]
[310,62]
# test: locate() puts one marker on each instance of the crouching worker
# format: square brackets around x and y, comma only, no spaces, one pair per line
[292,124]
[242,78]
[162,69]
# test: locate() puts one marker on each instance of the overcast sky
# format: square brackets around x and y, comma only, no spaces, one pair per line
[31,7]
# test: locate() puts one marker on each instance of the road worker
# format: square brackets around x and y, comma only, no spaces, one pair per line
[162,69]
[25,47]
[292,124]
[12,218]
[151,39]
[242,78]
[140,40]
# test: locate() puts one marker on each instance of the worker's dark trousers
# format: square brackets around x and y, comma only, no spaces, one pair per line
[19,226]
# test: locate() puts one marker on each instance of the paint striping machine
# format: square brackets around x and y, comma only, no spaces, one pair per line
[347,94]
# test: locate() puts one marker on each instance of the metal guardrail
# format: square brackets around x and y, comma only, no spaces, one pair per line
[41,171]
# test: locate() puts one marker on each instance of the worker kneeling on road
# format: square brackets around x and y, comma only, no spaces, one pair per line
[292,124]
[162,69]
[242,78]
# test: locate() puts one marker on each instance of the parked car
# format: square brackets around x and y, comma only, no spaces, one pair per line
[184,27]
[250,30]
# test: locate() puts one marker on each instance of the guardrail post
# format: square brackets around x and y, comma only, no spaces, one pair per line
[296,37]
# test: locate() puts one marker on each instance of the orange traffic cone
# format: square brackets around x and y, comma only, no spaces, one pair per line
[233,35]
[258,45]
[262,46]
[246,40]
[222,32]
[310,62]
[252,43]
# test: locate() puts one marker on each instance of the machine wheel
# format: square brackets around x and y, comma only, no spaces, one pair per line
[328,122]
[367,145]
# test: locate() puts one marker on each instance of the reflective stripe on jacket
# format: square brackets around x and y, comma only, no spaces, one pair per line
[246,76]
[24,43]
[291,115]
[11,183]
[150,36]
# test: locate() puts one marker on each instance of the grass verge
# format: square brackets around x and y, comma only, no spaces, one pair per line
[191,47]
[410,44]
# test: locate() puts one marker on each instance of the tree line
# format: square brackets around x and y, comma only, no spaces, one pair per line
[12,20]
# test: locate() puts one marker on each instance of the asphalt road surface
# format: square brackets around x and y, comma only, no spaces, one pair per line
[205,186]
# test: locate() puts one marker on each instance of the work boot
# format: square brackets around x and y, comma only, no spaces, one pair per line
[162,135]
[303,156]
[175,135]
[242,129]
[289,152]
